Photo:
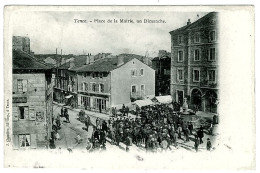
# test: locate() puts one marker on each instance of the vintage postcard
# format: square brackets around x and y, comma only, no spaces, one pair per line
[129,87]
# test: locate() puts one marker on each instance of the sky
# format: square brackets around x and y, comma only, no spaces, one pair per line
[49,30]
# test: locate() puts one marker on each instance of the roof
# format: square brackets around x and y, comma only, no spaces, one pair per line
[164,99]
[107,64]
[142,103]
[23,60]
[200,22]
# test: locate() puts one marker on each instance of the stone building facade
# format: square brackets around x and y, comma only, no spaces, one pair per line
[162,66]
[32,102]
[194,63]
[112,82]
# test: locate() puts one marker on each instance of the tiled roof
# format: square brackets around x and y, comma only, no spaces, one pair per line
[23,60]
[107,64]
[199,22]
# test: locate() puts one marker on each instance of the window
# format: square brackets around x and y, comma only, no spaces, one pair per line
[85,86]
[142,89]
[133,89]
[180,75]
[211,75]
[180,39]
[23,112]
[180,56]
[101,88]
[197,38]
[82,87]
[93,87]
[85,101]
[21,85]
[100,75]
[133,72]
[24,141]
[196,75]
[212,36]
[141,71]
[212,54]
[96,87]
[197,55]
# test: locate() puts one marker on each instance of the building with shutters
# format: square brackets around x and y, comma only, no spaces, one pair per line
[194,63]
[32,102]
[162,66]
[114,81]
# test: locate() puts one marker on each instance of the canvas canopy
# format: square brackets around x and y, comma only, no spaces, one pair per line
[69,96]
[142,103]
[164,99]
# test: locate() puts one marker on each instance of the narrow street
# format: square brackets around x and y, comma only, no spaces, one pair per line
[69,131]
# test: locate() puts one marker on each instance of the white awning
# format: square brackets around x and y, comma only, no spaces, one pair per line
[69,96]
[164,99]
[142,103]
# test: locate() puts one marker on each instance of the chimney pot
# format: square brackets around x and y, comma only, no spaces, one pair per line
[188,23]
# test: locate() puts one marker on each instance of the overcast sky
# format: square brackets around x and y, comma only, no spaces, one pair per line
[51,30]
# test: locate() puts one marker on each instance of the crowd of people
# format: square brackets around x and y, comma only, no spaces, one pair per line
[155,128]
[56,126]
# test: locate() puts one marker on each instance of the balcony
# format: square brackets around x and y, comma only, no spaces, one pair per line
[208,84]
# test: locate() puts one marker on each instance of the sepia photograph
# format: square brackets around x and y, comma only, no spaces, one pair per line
[132,85]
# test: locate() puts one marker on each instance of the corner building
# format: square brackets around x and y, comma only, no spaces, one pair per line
[194,63]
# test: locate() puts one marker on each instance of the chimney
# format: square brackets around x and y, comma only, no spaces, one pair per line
[120,60]
[103,55]
[91,59]
[56,51]
[61,52]
[188,23]
[87,59]
[72,64]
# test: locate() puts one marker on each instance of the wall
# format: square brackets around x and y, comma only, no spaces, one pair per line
[121,81]
[36,102]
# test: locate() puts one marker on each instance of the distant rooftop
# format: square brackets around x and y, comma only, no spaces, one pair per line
[108,64]
[23,60]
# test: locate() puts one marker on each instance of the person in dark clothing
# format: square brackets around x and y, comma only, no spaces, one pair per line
[52,144]
[67,117]
[196,145]
[208,144]
[96,135]
[127,110]
[102,139]
[190,127]
[87,122]
[200,135]
[62,112]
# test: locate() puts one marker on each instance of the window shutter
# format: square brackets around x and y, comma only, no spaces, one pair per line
[15,142]
[33,141]
[32,113]
[24,85]
[15,113]
[26,112]
[207,54]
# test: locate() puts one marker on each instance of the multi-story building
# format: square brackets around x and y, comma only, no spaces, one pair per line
[194,63]
[21,43]
[32,101]
[162,66]
[114,81]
